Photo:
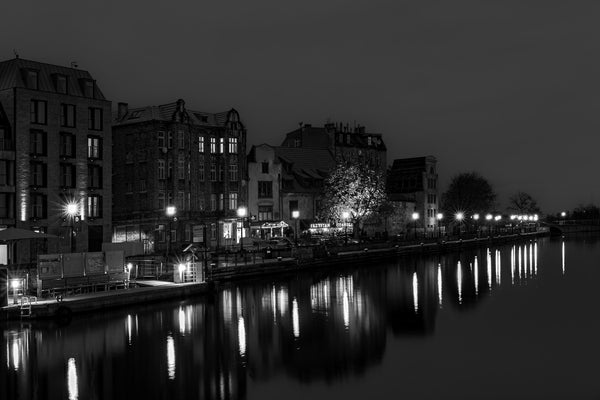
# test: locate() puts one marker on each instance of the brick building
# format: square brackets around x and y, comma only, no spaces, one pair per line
[418,178]
[55,149]
[344,142]
[168,155]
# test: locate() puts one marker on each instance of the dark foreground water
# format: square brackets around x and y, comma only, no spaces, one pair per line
[515,322]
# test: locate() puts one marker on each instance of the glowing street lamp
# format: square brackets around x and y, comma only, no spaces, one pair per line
[15,284]
[476,219]
[439,218]
[459,216]
[415,217]
[71,210]
[170,212]
[241,213]
[295,216]
[345,216]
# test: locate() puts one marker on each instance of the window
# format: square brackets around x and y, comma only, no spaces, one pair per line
[129,157]
[233,172]
[233,145]
[31,79]
[95,176]
[265,189]
[161,138]
[180,203]
[161,233]
[221,145]
[88,88]
[94,206]
[67,175]
[181,166]
[95,119]
[213,202]
[201,172]
[161,169]
[4,140]
[293,206]
[169,168]
[220,173]
[38,112]
[37,176]
[213,231]
[181,139]
[60,81]
[6,205]
[6,173]
[37,143]
[297,142]
[233,201]
[169,139]
[200,144]
[67,115]
[67,145]
[38,205]
[142,185]
[265,167]
[221,198]
[213,172]
[369,141]
[129,187]
[94,147]
[265,213]
[213,145]
[161,200]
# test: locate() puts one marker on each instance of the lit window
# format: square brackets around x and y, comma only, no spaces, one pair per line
[94,206]
[200,144]
[213,145]
[233,172]
[233,145]
[265,213]
[233,200]
[221,145]
[94,147]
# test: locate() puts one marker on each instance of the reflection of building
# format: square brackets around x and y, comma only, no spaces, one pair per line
[169,155]
[282,180]
[55,147]
[417,177]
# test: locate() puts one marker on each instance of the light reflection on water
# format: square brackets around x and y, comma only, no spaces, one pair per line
[335,325]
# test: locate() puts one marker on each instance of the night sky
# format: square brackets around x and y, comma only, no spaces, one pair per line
[508,88]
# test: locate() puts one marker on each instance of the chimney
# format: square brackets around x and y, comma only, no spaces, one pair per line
[122,110]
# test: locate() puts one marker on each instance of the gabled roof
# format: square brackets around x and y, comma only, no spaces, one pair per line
[11,76]
[168,112]
[306,168]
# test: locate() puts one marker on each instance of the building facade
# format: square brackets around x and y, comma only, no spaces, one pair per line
[194,162]
[282,180]
[417,177]
[346,143]
[55,154]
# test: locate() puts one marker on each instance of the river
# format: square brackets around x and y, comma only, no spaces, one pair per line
[513,321]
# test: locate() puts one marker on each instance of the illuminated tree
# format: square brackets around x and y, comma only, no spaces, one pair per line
[352,188]
[469,193]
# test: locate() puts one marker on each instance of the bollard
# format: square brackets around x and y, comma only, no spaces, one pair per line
[3,287]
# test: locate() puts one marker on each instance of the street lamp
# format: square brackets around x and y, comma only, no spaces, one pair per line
[71,210]
[345,216]
[459,217]
[476,219]
[296,215]
[241,213]
[415,217]
[439,218]
[170,212]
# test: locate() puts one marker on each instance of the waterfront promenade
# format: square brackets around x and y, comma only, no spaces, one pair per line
[144,291]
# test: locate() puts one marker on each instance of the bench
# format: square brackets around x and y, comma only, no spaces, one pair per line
[98,282]
[50,287]
[117,280]
[78,284]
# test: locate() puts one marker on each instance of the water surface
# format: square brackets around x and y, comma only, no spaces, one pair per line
[517,321]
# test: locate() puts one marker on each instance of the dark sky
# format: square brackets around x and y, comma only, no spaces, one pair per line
[508,88]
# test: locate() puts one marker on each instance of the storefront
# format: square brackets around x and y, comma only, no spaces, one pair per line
[267,230]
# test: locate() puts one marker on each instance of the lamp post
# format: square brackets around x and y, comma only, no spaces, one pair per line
[170,212]
[439,218]
[345,216]
[488,218]
[476,219]
[295,216]
[415,217]
[459,217]
[71,209]
[497,218]
[241,213]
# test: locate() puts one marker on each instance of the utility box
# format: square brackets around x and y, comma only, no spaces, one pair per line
[3,287]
